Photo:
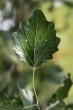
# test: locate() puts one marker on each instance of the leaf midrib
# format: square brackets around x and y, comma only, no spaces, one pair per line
[35,41]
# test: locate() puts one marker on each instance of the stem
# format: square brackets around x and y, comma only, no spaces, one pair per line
[26,107]
[52,105]
[37,100]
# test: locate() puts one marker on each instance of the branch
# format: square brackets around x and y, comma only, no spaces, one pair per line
[37,100]
[52,105]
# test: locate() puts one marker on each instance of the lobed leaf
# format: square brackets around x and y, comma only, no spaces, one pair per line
[36,40]
[56,101]
[63,91]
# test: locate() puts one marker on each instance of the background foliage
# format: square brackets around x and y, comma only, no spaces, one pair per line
[49,75]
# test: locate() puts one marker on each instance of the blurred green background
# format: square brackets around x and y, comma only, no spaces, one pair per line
[49,75]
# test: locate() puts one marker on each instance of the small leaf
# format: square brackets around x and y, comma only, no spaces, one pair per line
[6,104]
[62,92]
[26,98]
[36,40]
[54,104]
[56,101]
[3,97]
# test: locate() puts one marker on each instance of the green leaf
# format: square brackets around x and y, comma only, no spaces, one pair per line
[63,91]
[25,97]
[69,107]
[6,104]
[36,40]
[3,97]
[54,104]
[56,101]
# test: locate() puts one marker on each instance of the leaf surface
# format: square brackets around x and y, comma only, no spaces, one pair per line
[25,97]
[6,104]
[36,40]
[63,91]
[56,101]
